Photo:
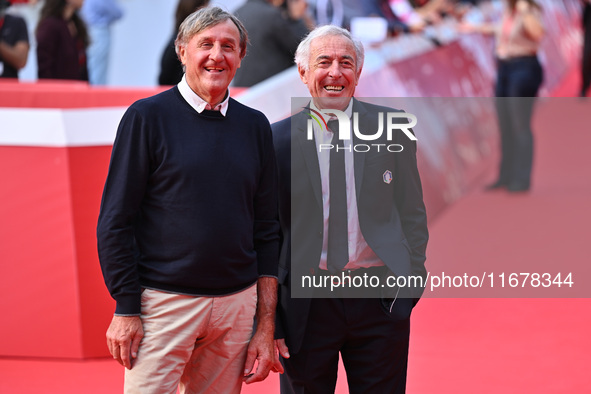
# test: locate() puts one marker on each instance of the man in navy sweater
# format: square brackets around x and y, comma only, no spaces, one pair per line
[188,230]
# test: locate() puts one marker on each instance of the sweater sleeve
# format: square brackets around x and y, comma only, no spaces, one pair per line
[266,223]
[122,196]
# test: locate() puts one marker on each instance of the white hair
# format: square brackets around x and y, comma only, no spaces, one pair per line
[302,55]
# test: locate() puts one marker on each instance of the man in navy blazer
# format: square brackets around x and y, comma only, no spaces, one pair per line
[386,223]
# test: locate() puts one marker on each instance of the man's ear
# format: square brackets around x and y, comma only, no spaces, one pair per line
[182,54]
[358,75]
[303,74]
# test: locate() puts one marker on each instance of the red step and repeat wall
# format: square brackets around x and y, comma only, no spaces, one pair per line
[55,143]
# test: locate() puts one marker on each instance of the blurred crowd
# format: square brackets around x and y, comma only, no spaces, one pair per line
[73,37]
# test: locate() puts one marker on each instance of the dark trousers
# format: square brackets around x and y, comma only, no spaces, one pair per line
[373,344]
[586,56]
[518,82]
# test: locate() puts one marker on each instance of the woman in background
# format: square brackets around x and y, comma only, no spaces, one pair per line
[62,39]
[519,77]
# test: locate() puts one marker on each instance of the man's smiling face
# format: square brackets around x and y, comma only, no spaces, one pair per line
[211,58]
[332,74]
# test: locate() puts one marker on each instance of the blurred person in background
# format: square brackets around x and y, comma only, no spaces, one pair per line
[586,57]
[332,12]
[431,11]
[62,39]
[171,68]
[418,14]
[406,16]
[519,77]
[381,8]
[14,42]
[335,12]
[275,28]
[99,16]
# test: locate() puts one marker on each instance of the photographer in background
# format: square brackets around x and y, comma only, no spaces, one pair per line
[14,42]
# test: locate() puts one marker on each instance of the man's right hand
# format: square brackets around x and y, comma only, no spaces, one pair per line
[123,338]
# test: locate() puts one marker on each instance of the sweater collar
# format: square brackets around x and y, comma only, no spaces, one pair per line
[197,102]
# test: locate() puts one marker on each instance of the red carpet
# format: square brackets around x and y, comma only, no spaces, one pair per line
[514,345]
[462,345]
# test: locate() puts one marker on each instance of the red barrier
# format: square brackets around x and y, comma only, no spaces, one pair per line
[72,94]
[53,295]
[67,94]
[53,298]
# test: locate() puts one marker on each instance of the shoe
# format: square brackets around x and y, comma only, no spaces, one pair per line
[496,185]
[518,187]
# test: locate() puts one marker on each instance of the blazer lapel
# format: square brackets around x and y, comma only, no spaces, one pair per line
[358,157]
[307,152]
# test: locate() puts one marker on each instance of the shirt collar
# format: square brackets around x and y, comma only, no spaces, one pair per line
[197,102]
[348,111]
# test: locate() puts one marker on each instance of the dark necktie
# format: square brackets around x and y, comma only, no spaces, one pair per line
[338,249]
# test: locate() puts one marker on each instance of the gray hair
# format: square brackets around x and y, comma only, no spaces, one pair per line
[203,19]
[302,55]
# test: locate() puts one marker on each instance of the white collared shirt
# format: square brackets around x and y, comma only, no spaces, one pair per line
[197,102]
[360,254]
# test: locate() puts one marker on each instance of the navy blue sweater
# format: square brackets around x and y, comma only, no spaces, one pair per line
[190,201]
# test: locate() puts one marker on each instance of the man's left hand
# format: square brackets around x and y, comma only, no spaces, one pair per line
[262,350]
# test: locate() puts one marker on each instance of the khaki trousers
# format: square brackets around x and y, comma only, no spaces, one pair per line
[197,342]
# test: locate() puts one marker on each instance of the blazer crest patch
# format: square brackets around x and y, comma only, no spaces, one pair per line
[387,177]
